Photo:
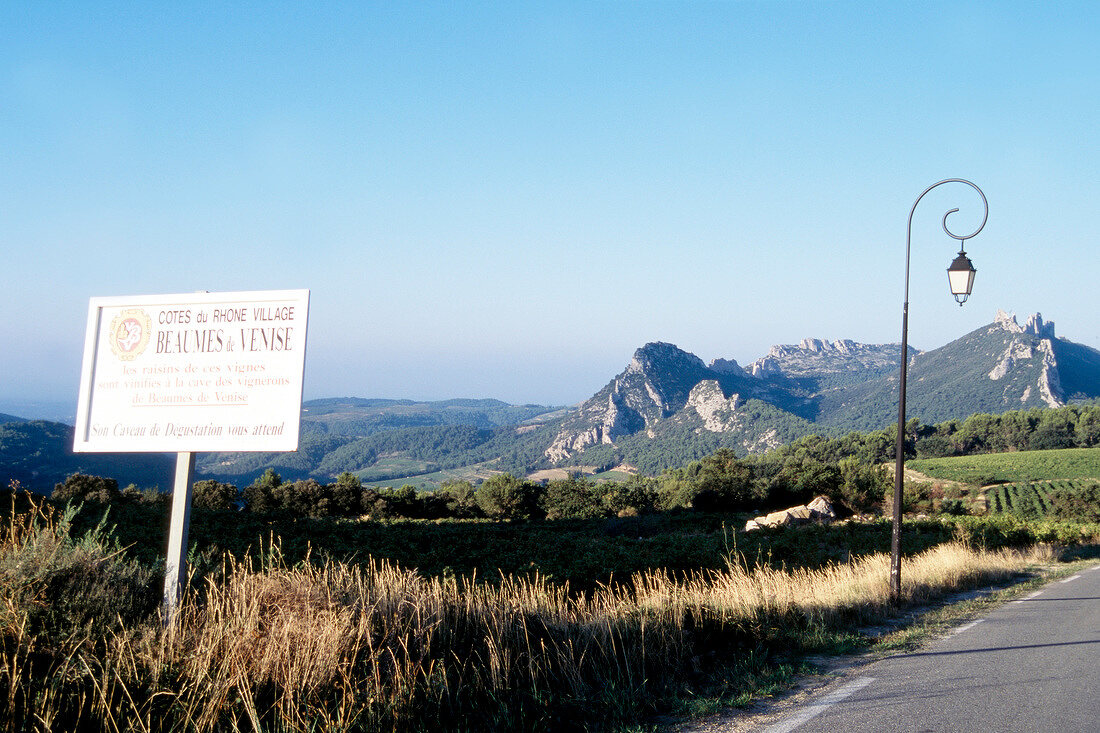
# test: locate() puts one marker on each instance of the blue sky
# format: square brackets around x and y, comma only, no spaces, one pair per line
[505,200]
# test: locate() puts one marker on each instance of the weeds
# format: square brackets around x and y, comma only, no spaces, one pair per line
[267,645]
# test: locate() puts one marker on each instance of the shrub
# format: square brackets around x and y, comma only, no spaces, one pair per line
[213,495]
[64,588]
[505,497]
[82,487]
[571,498]
[637,495]
[862,485]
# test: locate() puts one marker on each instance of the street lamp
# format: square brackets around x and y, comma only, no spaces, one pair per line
[961,278]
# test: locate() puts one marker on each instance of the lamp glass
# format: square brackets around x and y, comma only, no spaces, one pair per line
[961,276]
[962,281]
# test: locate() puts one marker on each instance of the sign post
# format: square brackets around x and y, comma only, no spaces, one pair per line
[189,373]
[175,570]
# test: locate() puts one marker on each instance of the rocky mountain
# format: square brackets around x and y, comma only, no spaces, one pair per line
[667,394]
[827,361]
[660,382]
[999,367]
[667,407]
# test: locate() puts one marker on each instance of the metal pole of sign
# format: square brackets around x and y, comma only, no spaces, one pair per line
[175,571]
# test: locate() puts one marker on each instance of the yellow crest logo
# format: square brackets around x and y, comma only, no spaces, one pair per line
[130,331]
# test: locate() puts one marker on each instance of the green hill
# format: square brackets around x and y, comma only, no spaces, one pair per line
[393,439]
[38,454]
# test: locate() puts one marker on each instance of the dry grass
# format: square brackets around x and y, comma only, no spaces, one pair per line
[337,647]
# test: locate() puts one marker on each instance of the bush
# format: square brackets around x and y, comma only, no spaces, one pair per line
[82,487]
[64,588]
[505,497]
[637,495]
[861,485]
[213,495]
[259,497]
[571,498]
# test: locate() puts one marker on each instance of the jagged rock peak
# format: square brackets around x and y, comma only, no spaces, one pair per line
[841,346]
[727,366]
[1007,321]
[815,345]
[661,355]
[1034,325]
[818,355]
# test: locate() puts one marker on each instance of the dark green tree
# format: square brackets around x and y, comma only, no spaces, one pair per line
[503,496]
[460,499]
[347,494]
[213,495]
[306,498]
[82,487]
[862,485]
[725,484]
[571,498]
[637,495]
[258,496]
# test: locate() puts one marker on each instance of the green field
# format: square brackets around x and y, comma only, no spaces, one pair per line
[1025,466]
[1062,499]
[423,481]
[612,475]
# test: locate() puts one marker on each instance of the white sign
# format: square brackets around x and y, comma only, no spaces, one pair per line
[195,372]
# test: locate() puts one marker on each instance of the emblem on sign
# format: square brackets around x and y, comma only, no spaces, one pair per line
[130,331]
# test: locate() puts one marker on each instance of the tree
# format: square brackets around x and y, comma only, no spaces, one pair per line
[862,485]
[213,495]
[1053,431]
[571,498]
[82,487]
[636,495]
[1087,430]
[402,502]
[346,494]
[258,496]
[305,498]
[505,497]
[800,481]
[724,484]
[459,498]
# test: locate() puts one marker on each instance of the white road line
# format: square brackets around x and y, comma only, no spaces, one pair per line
[968,626]
[1036,594]
[816,709]
[1075,577]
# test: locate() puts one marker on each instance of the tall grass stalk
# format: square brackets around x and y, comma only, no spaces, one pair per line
[329,646]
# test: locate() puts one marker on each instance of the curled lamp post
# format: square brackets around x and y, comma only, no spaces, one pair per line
[961,278]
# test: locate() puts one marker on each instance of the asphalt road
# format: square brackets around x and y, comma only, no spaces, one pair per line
[1031,665]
